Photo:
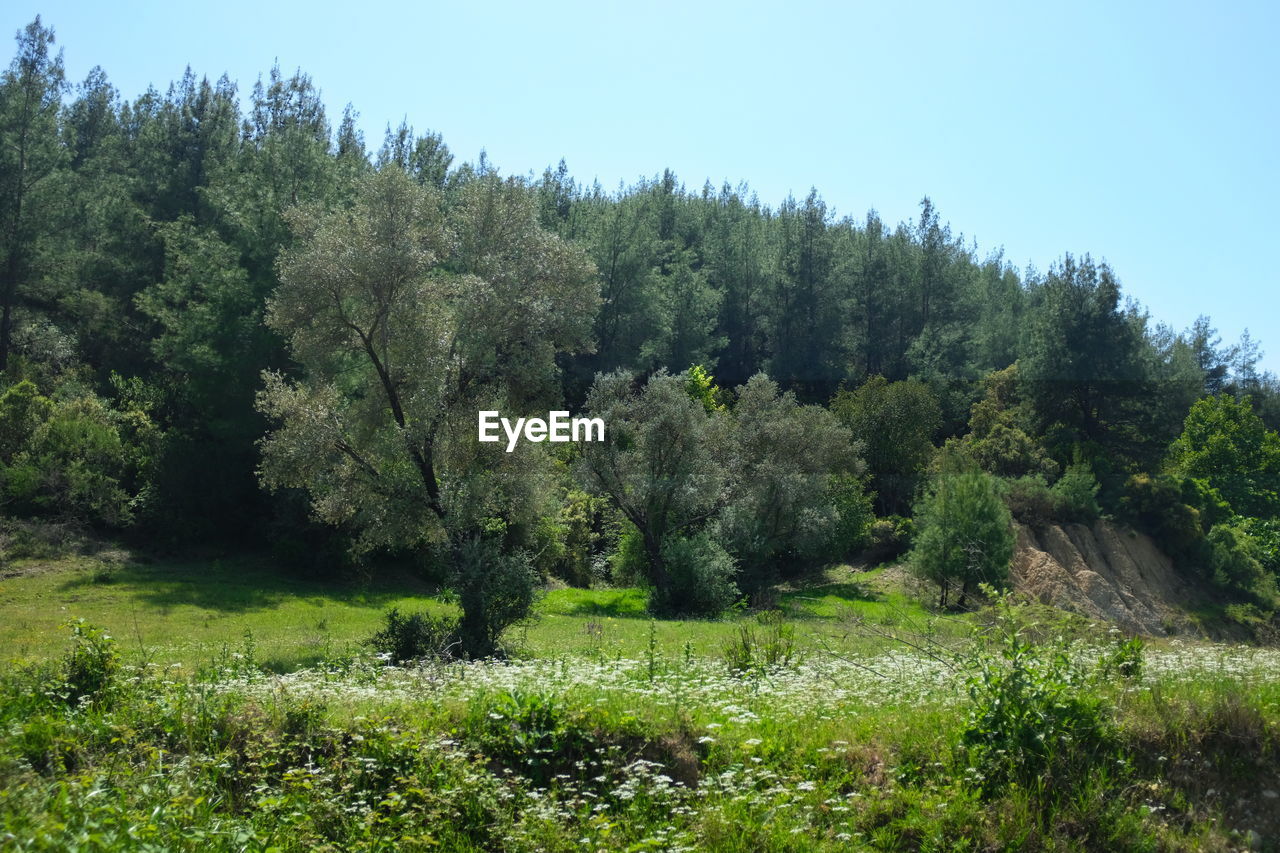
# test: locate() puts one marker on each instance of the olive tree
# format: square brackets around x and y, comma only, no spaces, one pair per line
[788,463]
[661,464]
[406,313]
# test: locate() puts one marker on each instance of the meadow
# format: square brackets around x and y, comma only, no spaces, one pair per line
[235,708]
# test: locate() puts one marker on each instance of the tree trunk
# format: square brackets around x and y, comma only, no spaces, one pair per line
[658,574]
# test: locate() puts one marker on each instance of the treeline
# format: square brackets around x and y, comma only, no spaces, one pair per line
[185,283]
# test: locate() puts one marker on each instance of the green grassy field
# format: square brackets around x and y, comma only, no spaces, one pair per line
[880,727]
[190,612]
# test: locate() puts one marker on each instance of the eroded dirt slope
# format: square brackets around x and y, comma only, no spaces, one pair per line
[1104,572]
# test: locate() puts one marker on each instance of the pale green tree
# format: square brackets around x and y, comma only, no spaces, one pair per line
[406,318]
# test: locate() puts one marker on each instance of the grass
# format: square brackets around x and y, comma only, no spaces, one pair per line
[190,612]
[609,730]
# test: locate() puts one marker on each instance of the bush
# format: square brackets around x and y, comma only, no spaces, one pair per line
[628,564]
[1030,500]
[1265,533]
[84,461]
[701,578]
[1205,500]
[749,651]
[1154,504]
[1125,659]
[415,636]
[1075,494]
[1235,564]
[890,538]
[90,668]
[966,535]
[854,506]
[1034,721]
[495,589]
[584,521]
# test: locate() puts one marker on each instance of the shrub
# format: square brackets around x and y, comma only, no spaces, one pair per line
[1235,564]
[854,506]
[774,645]
[1205,500]
[1075,494]
[890,538]
[701,577]
[495,589]
[1265,533]
[84,461]
[1125,659]
[1154,504]
[583,522]
[1034,721]
[415,636]
[90,668]
[628,563]
[966,535]
[1031,501]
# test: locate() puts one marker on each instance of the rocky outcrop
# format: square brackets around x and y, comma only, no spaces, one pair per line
[1103,572]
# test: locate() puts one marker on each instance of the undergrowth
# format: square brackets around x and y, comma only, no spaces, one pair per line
[1015,742]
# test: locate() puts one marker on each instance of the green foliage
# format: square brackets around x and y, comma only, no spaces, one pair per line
[404,638]
[781,516]
[1229,447]
[890,538]
[997,439]
[757,652]
[701,386]
[685,314]
[855,510]
[1073,498]
[1235,564]
[966,535]
[1206,501]
[702,577]
[628,564]
[22,410]
[1034,721]
[1154,504]
[583,530]
[895,422]
[495,589]
[660,464]
[1085,374]
[1076,493]
[91,666]
[1265,534]
[84,461]
[1030,500]
[1125,658]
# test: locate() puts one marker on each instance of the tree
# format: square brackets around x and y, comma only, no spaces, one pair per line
[965,534]
[406,320]
[786,464]
[30,150]
[1083,371]
[1229,447]
[661,463]
[895,421]
[686,315]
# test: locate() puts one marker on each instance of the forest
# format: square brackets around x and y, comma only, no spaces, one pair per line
[200,302]
[229,324]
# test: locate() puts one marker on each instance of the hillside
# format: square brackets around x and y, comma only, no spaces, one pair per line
[1105,572]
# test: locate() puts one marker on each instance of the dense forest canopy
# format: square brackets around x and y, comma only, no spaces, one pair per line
[166,259]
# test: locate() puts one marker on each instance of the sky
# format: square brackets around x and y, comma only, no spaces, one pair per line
[1145,134]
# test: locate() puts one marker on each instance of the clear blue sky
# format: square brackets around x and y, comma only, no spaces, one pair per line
[1147,134]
